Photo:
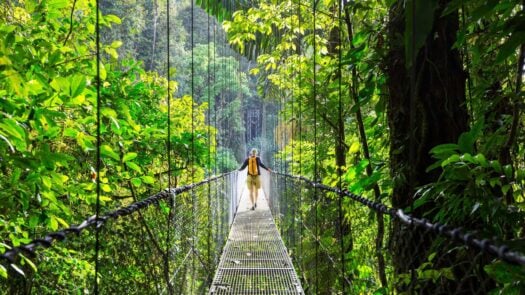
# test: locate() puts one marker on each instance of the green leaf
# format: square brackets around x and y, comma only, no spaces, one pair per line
[28,261]
[466,143]
[505,273]
[136,181]
[509,47]
[467,158]
[507,169]
[103,72]
[480,158]
[129,157]
[105,187]
[77,86]
[354,148]
[496,165]
[148,179]
[452,159]
[112,52]
[112,18]
[52,222]
[3,272]
[11,147]
[11,128]
[57,4]
[70,132]
[106,150]
[444,149]
[116,44]
[134,166]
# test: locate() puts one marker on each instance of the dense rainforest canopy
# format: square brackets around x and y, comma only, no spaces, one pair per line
[416,104]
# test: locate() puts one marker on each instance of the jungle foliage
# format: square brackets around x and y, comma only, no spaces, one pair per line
[417,104]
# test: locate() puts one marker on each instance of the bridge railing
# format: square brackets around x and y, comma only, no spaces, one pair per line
[339,254]
[167,243]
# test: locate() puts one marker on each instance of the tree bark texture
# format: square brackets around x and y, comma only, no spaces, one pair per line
[440,116]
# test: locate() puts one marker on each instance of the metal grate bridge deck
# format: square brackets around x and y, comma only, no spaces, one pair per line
[255,260]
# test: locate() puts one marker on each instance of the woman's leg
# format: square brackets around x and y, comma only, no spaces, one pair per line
[255,194]
[252,195]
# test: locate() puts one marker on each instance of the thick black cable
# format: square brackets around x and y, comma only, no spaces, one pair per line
[299,82]
[208,121]
[168,145]
[217,130]
[412,127]
[316,197]
[30,248]
[292,141]
[458,234]
[99,143]
[192,153]
[339,145]
[282,109]
[412,107]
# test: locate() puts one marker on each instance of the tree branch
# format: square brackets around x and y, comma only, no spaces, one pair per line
[70,22]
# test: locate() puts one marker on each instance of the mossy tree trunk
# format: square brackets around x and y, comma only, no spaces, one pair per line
[439,116]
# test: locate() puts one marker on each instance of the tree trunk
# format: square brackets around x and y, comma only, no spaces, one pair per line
[439,116]
[364,143]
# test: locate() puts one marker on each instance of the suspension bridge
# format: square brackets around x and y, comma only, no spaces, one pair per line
[200,237]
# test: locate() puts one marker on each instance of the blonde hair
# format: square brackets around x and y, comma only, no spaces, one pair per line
[253,151]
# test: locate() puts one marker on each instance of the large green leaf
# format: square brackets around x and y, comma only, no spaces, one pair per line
[14,133]
[106,150]
[511,44]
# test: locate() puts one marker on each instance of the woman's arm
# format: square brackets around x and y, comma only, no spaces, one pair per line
[244,164]
[262,165]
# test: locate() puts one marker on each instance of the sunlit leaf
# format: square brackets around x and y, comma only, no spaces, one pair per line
[129,156]
[106,150]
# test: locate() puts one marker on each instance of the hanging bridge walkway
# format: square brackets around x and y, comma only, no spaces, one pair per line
[255,259]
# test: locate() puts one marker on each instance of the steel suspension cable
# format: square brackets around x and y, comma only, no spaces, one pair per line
[339,146]
[217,129]
[292,26]
[299,81]
[412,124]
[99,143]
[282,101]
[316,197]
[192,143]
[168,144]
[208,122]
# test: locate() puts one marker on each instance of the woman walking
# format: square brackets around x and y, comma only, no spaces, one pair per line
[254,174]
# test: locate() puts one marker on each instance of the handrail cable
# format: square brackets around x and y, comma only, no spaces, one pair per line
[501,251]
[98,222]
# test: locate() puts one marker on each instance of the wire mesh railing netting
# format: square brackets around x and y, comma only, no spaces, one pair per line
[172,246]
[334,256]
